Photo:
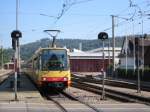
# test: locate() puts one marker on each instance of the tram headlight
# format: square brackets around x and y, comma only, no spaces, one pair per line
[65,79]
[44,78]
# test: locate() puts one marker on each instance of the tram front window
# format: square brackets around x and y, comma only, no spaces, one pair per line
[54,60]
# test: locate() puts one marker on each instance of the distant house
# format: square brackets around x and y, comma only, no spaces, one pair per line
[9,65]
[108,52]
[127,56]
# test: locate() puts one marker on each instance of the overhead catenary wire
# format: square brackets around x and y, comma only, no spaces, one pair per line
[132,17]
[67,5]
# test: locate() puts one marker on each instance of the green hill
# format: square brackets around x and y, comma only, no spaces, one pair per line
[27,50]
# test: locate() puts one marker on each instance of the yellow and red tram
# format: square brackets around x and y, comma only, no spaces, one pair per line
[49,67]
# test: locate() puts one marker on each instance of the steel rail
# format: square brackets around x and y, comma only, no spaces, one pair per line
[71,96]
[57,104]
[116,83]
[117,95]
[48,97]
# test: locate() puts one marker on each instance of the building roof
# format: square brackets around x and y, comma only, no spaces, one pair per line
[94,54]
[142,42]
[117,49]
[85,55]
[76,50]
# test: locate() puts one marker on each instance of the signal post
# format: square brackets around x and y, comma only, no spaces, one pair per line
[103,36]
[15,35]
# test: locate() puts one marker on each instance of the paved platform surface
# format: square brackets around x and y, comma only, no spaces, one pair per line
[4,74]
[51,107]
[26,92]
[144,94]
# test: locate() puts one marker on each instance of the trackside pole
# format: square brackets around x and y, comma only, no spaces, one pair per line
[103,36]
[16,70]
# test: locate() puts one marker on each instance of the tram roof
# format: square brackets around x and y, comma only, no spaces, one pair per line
[47,48]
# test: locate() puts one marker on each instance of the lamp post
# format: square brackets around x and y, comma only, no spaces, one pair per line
[103,36]
[53,34]
[113,40]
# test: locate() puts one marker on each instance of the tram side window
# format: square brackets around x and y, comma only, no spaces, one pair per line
[28,65]
[36,64]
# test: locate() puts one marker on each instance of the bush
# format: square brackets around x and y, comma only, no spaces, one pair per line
[131,74]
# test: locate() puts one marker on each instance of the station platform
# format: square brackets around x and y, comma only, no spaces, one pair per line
[4,74]
[145,94]
[142,94]
[26,92]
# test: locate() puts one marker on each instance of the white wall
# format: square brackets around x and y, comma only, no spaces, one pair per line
[130,63]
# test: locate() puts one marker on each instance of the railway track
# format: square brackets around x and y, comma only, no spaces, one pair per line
[81,101]
[131,85]
[57,104]
[116,83]
[112,93]
[54,97]
[60,98]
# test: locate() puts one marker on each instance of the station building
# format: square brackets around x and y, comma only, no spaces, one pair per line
[92,61]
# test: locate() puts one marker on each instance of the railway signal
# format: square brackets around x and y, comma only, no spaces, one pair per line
[103,36]
[15,35]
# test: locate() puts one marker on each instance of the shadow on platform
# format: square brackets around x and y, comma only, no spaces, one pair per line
[24,84]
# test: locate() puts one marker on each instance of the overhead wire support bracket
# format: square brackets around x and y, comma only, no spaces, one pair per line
[53,34]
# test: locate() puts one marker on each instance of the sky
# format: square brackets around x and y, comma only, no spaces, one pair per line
[78,19]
